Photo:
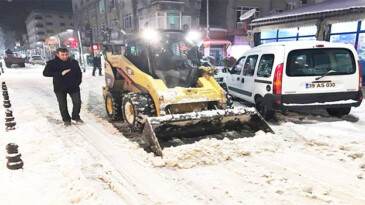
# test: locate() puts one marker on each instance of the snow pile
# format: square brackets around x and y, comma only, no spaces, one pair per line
[213,151]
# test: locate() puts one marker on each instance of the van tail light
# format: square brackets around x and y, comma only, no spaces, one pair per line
[360,75]
[278,79]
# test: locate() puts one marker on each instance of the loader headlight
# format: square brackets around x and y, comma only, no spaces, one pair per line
[193,37]
[150,35]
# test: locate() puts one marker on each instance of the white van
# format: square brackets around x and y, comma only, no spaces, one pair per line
[298,75]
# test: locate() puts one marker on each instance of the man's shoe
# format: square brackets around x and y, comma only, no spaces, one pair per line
[67,123]
[79,121]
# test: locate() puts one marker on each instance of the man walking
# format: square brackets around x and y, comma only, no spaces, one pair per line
[97,64]
[67,77]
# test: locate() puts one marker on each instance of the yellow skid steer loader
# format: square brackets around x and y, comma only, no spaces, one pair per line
[156,84]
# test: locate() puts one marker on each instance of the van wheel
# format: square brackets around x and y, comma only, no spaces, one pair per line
[261,108]
[338,112]
[8,65]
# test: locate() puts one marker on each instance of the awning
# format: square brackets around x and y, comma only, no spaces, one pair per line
[327,9]
[220,42]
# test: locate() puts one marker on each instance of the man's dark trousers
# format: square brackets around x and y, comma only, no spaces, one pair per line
[62,102]
[97,67]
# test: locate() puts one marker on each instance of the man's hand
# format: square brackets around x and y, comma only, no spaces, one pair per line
[65,72]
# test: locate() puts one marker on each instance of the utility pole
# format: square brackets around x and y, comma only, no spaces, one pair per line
[207,18]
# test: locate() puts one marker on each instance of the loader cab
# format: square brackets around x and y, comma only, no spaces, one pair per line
[111,74]
[165,55]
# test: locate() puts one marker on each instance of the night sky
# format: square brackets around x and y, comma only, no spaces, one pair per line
[14,13]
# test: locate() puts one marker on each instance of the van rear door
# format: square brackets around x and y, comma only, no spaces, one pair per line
[320,70]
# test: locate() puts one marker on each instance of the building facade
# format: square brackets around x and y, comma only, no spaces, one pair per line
[41,24]
[102,21]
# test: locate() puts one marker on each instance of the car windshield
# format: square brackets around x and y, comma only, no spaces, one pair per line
[37,58]
[318,62]
[175,59]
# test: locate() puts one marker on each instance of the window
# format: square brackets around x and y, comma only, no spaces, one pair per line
[127,21]
[344,27]
[49,23]
[61,17]
[344,38]
[38,17]
[286,39]
[288,32]
[62,24]
[269,34]
[307,30]
[101,7]
[306,33]
[48,16]
[265,65]
[250,65]
[317,62]
[50,31]
[71,24]
[173,20]
[112,4]
[236,70]
[290,5]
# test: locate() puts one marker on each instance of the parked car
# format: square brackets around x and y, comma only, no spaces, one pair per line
[295,76]
[13,58]
[37,60]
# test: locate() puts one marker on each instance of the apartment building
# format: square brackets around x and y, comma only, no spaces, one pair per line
[41,24]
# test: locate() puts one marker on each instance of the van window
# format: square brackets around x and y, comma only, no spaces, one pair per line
[250,65]
[317,62]
[265,65]
[236,70]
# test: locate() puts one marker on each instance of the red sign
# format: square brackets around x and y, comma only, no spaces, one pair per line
[206,42]
[96,47]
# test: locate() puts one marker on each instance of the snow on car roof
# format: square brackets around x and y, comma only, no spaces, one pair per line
[325,7]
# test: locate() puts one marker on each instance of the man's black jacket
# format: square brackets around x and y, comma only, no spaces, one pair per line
[97,61]
[67,83]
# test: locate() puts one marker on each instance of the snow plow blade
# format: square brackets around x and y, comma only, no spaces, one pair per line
[202,123]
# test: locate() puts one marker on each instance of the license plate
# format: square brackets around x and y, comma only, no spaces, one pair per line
[320,85]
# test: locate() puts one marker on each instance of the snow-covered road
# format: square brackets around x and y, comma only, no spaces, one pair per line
[312,159]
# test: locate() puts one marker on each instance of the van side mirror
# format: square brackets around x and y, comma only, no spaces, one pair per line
[231,70]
